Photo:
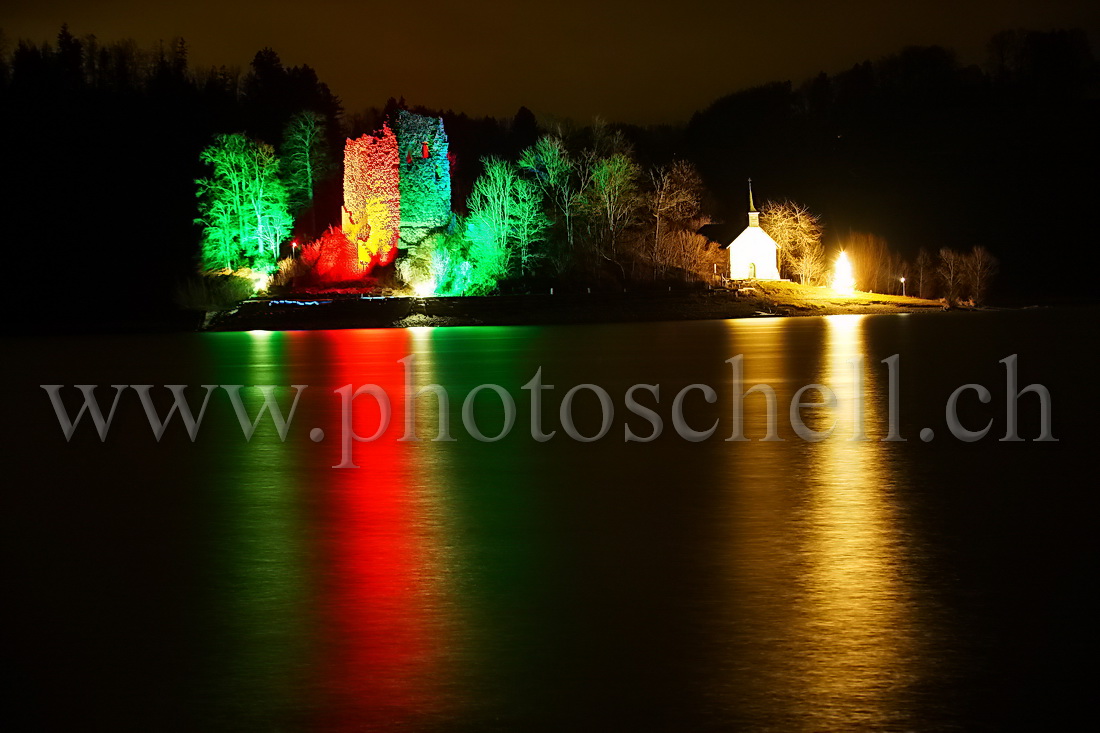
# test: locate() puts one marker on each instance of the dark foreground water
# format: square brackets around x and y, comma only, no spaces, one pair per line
[228,584]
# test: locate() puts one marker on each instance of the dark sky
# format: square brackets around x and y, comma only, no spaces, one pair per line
[635,60]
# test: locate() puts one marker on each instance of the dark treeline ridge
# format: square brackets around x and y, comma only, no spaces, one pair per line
[101,143]
[924,152]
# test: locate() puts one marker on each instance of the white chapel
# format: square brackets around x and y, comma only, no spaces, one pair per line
[754,255]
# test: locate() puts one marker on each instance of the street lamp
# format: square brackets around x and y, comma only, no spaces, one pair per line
[903,287]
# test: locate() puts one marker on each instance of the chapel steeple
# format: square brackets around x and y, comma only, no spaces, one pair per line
[754,215]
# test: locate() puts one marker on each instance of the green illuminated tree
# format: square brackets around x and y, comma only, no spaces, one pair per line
[489,225]
[529,223]
[242,205]
[554,170]
[506,223]
[304,161]
[611,201]
[440,264]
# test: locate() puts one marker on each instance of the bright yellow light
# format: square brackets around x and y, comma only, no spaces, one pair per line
[424,288]
[843,281]
[260,281]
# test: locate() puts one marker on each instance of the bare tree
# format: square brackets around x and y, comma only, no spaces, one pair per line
[607,141]
[555,171]
[951,272]
[611,200]
[893,270]
[798,234]
[979,266]
[810,265]
[684,250]
[242,204]
[506,222]
[304,161]
[871,263]
[924,272]
[529,223]
[676,197]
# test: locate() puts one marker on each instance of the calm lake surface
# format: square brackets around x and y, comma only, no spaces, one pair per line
[232,584]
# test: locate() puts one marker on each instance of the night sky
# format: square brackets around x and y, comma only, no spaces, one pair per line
[629,61]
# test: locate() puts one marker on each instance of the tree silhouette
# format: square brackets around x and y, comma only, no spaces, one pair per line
[925,272]
[980,267]
[952,271]
[676,196]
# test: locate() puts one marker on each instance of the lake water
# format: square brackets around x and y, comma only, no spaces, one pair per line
[232,584]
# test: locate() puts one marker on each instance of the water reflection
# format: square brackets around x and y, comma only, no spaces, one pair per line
[233,585]
[863,655]
[260,648]
[383,598]
[753,634]
[823,625]
[496,514]
[450,581]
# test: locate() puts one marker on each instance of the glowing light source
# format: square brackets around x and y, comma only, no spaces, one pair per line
[425,288]
[260,280]
[843,280]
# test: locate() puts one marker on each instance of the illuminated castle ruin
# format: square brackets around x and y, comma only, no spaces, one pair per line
[397,187]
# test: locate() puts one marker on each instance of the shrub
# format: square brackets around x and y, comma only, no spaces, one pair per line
[330,260]
[213,291]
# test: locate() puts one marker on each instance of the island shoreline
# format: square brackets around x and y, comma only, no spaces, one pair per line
[341,311]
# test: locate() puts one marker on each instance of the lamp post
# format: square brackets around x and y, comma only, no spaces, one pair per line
[903,287]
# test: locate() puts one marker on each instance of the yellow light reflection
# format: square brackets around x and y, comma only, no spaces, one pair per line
[858,606]
[758,627]
[821,629]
